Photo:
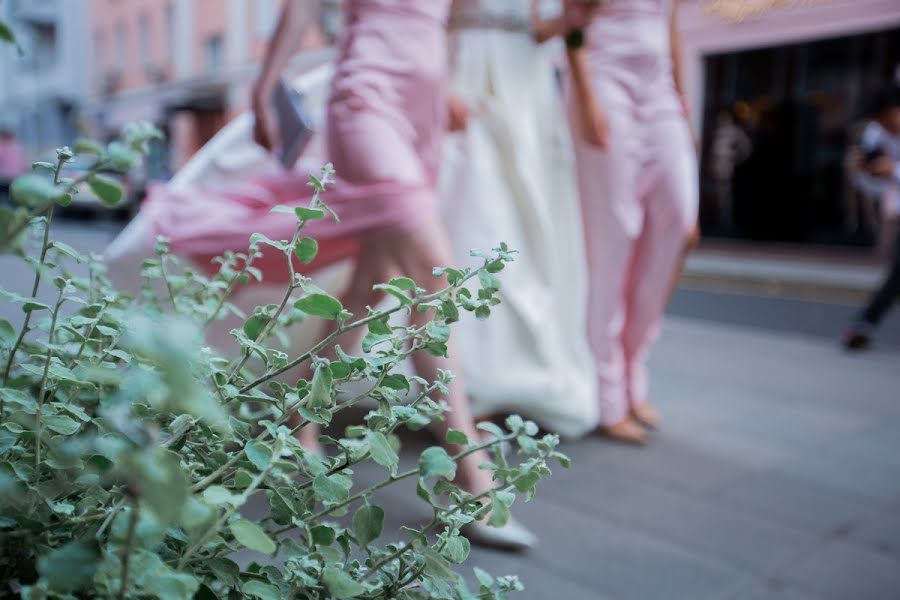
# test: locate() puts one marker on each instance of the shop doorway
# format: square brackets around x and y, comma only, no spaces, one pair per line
[777,125]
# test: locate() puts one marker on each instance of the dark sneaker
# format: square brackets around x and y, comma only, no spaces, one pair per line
[858,337]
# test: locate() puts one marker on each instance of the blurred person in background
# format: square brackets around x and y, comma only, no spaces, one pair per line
[878,162]
[13,161]
[637,170]
[508,175]
[730,146]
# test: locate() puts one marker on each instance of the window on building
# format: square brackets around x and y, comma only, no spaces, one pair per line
[170,32]
[144,46]
[40,43]
[214,47]
[101,54]
[121,46]
[45,47]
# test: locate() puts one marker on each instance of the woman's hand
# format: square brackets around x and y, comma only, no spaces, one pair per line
[578,14]
[458,113]
[294,21]
[265,128]
[595,125]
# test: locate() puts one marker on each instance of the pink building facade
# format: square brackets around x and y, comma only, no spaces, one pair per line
[797,77]
[183,64]
[707,29]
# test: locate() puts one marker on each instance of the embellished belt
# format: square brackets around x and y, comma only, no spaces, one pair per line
[490,21]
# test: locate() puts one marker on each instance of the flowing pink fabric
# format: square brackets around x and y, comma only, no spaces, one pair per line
[12,159]
[385,119]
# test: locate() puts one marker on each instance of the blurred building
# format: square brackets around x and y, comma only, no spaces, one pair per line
[797,78]
[91,66]
[183,64]
[41,90]
[786,80]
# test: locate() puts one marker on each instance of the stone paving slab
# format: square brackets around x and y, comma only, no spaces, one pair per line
[775,590]
[880,532]
[798,504]
[793,492]
[841,570]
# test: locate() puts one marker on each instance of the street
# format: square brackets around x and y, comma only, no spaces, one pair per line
[776,473]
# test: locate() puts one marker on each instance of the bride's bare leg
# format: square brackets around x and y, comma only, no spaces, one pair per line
[417,253]
[368,271]
[414,255]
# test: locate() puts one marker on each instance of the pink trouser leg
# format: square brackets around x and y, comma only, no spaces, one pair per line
[612,218]
[639,204]
[670,213]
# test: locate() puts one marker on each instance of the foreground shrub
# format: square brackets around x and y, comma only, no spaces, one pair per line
[128,448]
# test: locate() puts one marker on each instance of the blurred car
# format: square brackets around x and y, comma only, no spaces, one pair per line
[86,204]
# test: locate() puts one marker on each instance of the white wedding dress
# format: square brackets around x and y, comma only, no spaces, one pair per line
[509,176]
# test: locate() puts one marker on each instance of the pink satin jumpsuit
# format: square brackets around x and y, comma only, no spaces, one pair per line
[639,196]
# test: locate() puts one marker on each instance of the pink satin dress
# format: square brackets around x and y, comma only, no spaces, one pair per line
[639,196]
[385,121]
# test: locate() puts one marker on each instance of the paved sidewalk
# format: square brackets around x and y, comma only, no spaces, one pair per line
[804,271]
[776,475]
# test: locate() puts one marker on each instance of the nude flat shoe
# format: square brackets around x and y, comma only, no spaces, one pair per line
[646,414]
[628,431]
[512,537]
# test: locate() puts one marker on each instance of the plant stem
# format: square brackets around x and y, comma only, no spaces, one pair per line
[90,332]
[39,417]
[34,290]
[45,247]
[83,346]
[11,235]
[395,478]
[212,477]
[396,554]
[355,325]
[284,300]
[248,262]
[165,276]
[287,414]
[227,514]
[109,517]
[126,550]
[434,522]
[348,463]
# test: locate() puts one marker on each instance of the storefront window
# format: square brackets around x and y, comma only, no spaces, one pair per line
[777,126]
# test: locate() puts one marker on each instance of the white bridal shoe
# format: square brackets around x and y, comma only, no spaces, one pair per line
[513,536]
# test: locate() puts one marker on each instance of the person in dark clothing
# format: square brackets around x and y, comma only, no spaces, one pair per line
[879,161]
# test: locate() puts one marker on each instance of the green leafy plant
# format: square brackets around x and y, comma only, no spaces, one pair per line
[128,448]
[7,36]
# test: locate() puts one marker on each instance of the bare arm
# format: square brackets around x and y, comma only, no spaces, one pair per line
[296,17]
[675,49]
[592,119]
[546,29]
[677,71]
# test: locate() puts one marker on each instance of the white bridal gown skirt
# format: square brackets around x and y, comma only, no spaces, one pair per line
[510,177]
